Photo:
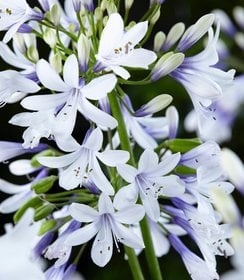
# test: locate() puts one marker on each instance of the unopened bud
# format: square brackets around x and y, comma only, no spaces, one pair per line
[155,18]
[159,41]
[49,37]
[174,35]
[83,47]
[111,8]
[55,14]
[166,64]
[98,13]
[32,54]
[56,62]
[128,4]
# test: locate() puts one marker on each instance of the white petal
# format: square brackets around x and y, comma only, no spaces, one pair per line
[71,71]
[167,164]
[82,235]
[57,162]
[127,172]
[127,236]
[21,167]
[102,119]
[171,185]
[135,34]
[126,197]
[120,71]
[12,30]
[142,138]
[82,213]
[111,35]
[67,144]
[10,57]
[49,77]
[73,176]
[100,180]
[105,204]
[45,101]
[148,161]
[10,188]
[99,87]
[113,157]
[102,247]
[160,241]
[21,83]
[130,215]
[95,140]
[151,206]
[138,58]
[14,202]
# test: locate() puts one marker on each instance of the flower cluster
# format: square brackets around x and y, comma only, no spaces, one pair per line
[127,180]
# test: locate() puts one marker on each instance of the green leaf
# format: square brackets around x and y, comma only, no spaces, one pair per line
[44,185]
[182,145]
[43,211]
[47,226]
[185,170]
[32,203]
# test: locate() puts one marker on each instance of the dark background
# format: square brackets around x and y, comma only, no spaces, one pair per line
[173,11]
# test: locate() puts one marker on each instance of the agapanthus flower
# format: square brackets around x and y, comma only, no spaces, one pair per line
[14,14]
[56,113]
[106,224]
[116,47]
[203,81]
[149,182]
[83,163]
[197,267]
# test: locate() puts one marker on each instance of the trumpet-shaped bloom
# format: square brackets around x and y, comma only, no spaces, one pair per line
[106,224]
[116,47]
[202,225]
[149,182]
[56,114]
[197,267]
[203,82]
[13,14]
[83,163]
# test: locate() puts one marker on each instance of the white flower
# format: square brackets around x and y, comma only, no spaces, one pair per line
[204,82]
[148,182]
[56,114]
[15,253]
[197,267]
[116,47]
[13,14]
[107,225]
[83,163]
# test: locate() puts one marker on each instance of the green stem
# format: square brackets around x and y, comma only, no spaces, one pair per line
[124,139]
[125,145]
[134,264]
[135,83]
[152,260]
